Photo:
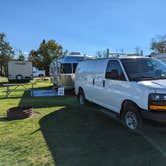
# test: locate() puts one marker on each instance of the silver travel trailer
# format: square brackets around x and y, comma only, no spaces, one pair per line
[62,70]
[161,56]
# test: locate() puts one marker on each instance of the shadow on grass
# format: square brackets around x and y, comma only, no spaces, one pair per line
[26,92]
[4,119]
[81,136]
[45,102]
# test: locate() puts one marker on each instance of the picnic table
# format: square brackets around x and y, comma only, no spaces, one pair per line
[16,85]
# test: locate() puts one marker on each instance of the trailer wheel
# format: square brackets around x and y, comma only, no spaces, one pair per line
[131,118]
[41,75]
[19,77]
[81,97]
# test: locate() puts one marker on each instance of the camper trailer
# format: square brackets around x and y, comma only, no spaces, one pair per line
[19,71]
[62,70]
[161,56]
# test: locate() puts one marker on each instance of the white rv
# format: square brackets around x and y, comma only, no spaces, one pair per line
[19,71]
[132,87]
[62,70]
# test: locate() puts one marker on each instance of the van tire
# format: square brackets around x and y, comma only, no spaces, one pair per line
[81,97]
[131,118]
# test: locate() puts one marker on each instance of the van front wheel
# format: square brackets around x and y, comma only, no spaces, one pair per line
[131,118]
[81,98]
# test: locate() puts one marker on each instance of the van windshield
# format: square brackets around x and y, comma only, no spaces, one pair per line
[140,69]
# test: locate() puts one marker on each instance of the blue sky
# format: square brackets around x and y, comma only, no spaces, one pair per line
[86,25]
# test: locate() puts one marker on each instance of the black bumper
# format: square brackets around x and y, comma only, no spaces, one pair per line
[155,116]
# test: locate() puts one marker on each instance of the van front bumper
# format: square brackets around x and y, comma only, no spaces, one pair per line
[159,116]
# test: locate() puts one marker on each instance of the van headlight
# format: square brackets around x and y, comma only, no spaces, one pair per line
[157,102]
[157,97]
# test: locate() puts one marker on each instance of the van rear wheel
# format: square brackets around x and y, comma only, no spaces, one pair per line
[131,118]
[81,98]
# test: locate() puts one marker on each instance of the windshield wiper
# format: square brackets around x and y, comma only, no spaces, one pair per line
[160,78]
[142,78]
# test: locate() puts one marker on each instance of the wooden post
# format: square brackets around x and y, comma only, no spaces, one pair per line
[32,90]
[7,91]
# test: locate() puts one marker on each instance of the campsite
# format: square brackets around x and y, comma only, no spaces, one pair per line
[82,83]
[66,134]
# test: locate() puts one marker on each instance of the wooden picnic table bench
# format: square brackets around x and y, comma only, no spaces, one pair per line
[16,85]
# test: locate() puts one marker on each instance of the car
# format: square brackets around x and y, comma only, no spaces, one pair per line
[134,88]
[38,73]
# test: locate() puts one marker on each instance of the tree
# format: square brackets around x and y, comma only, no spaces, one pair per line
[47,51]
[158,44]
[6,54]
[99,54]
[35,59]
[21,56]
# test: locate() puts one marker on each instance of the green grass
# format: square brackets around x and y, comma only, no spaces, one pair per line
[66,134]
[3,79]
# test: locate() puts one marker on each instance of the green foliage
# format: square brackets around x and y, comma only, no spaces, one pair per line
[21,57]
[6,54]
[46,52]
[158,44]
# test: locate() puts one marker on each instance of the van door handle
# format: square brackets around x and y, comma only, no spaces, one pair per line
[103,83]
[93,81]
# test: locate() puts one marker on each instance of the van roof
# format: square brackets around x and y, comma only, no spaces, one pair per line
[133,57]
[122,57]
[128,57]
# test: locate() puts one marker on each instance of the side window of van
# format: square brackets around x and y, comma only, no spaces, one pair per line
[114,71]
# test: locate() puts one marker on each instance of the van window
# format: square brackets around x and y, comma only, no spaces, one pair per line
[114,71]
[66,68]
[147,69]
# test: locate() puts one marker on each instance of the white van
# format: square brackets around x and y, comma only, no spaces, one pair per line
[132,87]
[19,71]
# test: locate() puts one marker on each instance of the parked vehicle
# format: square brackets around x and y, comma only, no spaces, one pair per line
[19,71]
[132,87]
[38,73]
[62,70]
[161,56]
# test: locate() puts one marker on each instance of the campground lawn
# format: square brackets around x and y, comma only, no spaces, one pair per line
[66,134]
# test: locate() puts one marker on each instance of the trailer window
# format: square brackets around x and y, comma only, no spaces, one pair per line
[74,67]
[66,68]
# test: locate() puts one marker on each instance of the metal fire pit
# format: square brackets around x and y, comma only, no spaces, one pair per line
[19,113]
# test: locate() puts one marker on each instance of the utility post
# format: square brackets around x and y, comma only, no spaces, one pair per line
[108,53]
